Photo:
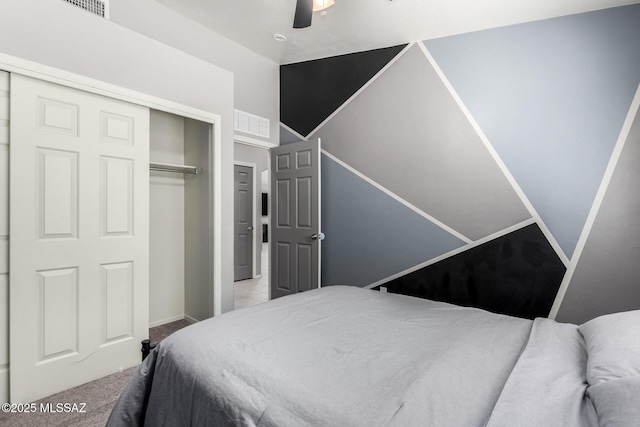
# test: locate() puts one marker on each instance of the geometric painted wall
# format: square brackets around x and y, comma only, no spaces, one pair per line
[481,136]
[551,97]
[406,133]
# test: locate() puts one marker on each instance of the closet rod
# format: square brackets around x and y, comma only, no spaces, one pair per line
[166,167]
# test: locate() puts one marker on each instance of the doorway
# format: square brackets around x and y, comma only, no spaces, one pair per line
[179,197]
[251,256]
[244,222]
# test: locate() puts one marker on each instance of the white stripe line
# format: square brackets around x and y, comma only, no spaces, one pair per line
[496,157]
[366,85]
[288,129]
[454,252]
[597,202]
[398,198]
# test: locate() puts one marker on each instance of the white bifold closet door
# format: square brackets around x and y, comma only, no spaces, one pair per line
[79,226]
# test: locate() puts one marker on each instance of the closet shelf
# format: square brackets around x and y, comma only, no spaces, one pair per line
[166,167]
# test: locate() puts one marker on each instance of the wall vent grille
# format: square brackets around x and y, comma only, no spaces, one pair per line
[250,123]
[97,7]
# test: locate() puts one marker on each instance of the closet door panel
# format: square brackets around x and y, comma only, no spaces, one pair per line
[58,313]
[57,192]
[116,128]
[79,220]
[116,196]
[117,283]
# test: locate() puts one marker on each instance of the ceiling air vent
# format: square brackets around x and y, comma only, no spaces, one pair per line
[97,7]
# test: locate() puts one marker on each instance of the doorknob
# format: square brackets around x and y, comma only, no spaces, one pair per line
[250,228]
[319,236]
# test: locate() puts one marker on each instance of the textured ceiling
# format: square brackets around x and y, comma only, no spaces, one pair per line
[358,25]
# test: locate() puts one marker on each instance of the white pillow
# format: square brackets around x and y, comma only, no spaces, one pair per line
[613,346]
[617,402]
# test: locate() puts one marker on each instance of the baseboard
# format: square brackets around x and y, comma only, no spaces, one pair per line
[190,319]
[165,321]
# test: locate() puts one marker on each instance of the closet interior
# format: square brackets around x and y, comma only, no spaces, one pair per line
[180,235]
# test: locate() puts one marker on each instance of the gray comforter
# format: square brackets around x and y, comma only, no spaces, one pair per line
[344,356]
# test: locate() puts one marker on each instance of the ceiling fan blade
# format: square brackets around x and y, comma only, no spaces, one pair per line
[304,12]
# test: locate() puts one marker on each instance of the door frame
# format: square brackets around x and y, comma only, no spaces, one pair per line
[254,167]
[50,74]
[264,145]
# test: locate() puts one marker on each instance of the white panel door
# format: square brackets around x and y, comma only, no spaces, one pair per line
[79,237]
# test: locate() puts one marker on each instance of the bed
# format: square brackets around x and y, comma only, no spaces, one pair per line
[345,356]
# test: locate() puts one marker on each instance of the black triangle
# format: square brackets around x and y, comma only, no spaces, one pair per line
[310,91]
[518,274]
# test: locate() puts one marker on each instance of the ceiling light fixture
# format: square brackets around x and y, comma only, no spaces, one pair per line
[305,8]
[322,5]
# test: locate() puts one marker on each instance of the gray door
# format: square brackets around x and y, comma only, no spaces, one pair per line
[295,218]
[243,215]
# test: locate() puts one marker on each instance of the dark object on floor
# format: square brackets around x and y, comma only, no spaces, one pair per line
[158,333]
[146,348]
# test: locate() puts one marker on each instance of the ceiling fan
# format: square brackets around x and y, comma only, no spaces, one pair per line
[305,9]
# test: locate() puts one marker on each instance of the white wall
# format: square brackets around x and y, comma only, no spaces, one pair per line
[257,79]
[166,220]
[4,237]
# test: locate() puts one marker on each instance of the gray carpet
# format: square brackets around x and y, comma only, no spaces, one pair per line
[159,333]
[99,395]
